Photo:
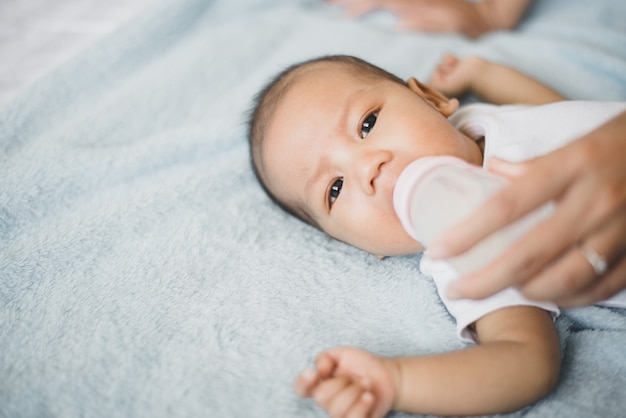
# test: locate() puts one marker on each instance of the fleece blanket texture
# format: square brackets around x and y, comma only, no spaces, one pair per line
[144,273]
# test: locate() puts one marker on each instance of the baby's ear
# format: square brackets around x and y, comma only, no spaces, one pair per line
[434,97]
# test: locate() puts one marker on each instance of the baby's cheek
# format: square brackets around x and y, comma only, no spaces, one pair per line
[401,243]
[390,244]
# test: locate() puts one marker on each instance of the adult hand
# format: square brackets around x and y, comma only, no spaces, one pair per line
[586,180]
[458,16]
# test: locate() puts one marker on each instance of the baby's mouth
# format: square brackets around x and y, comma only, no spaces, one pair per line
[387,180]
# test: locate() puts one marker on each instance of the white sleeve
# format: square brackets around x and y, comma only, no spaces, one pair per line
[468,311]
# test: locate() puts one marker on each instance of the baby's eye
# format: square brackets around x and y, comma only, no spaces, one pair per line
[334,191]
[368,123]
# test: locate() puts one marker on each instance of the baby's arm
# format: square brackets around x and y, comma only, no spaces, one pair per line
[494,83]
[516,363]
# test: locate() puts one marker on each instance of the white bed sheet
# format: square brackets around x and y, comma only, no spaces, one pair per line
[38,35]
[144,273]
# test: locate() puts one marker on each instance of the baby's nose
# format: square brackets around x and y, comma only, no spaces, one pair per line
[369,168]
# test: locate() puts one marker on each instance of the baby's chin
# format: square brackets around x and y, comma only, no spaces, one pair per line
[391,245]
[394,251]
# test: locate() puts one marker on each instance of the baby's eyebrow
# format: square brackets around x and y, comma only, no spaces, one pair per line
[339,127]
[341,123]
[313,179]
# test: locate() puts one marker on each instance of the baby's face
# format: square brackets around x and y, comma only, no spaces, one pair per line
[336,145]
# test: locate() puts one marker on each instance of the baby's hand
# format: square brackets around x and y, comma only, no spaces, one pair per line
[339,396]
[454,76]
[349,382]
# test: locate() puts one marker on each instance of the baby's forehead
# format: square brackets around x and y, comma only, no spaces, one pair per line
[327,69]
[314,85]
[322,79]
[320,66]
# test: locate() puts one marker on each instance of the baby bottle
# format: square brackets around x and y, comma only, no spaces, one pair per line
[433,193]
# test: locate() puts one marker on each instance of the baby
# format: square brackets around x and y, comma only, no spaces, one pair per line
[329,137]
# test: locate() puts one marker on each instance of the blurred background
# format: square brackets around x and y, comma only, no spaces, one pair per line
[38,35]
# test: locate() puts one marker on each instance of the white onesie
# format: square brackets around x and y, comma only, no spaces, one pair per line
[517,133]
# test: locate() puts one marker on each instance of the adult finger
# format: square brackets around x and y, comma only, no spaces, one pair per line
[609,285]
[597,157]
[572,273]
[521,196]
[577,218]
[525,258]
[358,8]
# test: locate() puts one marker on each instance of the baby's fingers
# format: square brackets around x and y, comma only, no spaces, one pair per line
[448,63]
[306,382]
[441,78]
[326,363]
[341,398]
[363,406]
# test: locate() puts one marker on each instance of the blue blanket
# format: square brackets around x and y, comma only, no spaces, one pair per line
[143,272]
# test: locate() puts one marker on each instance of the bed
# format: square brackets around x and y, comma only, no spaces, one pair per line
[144,273]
